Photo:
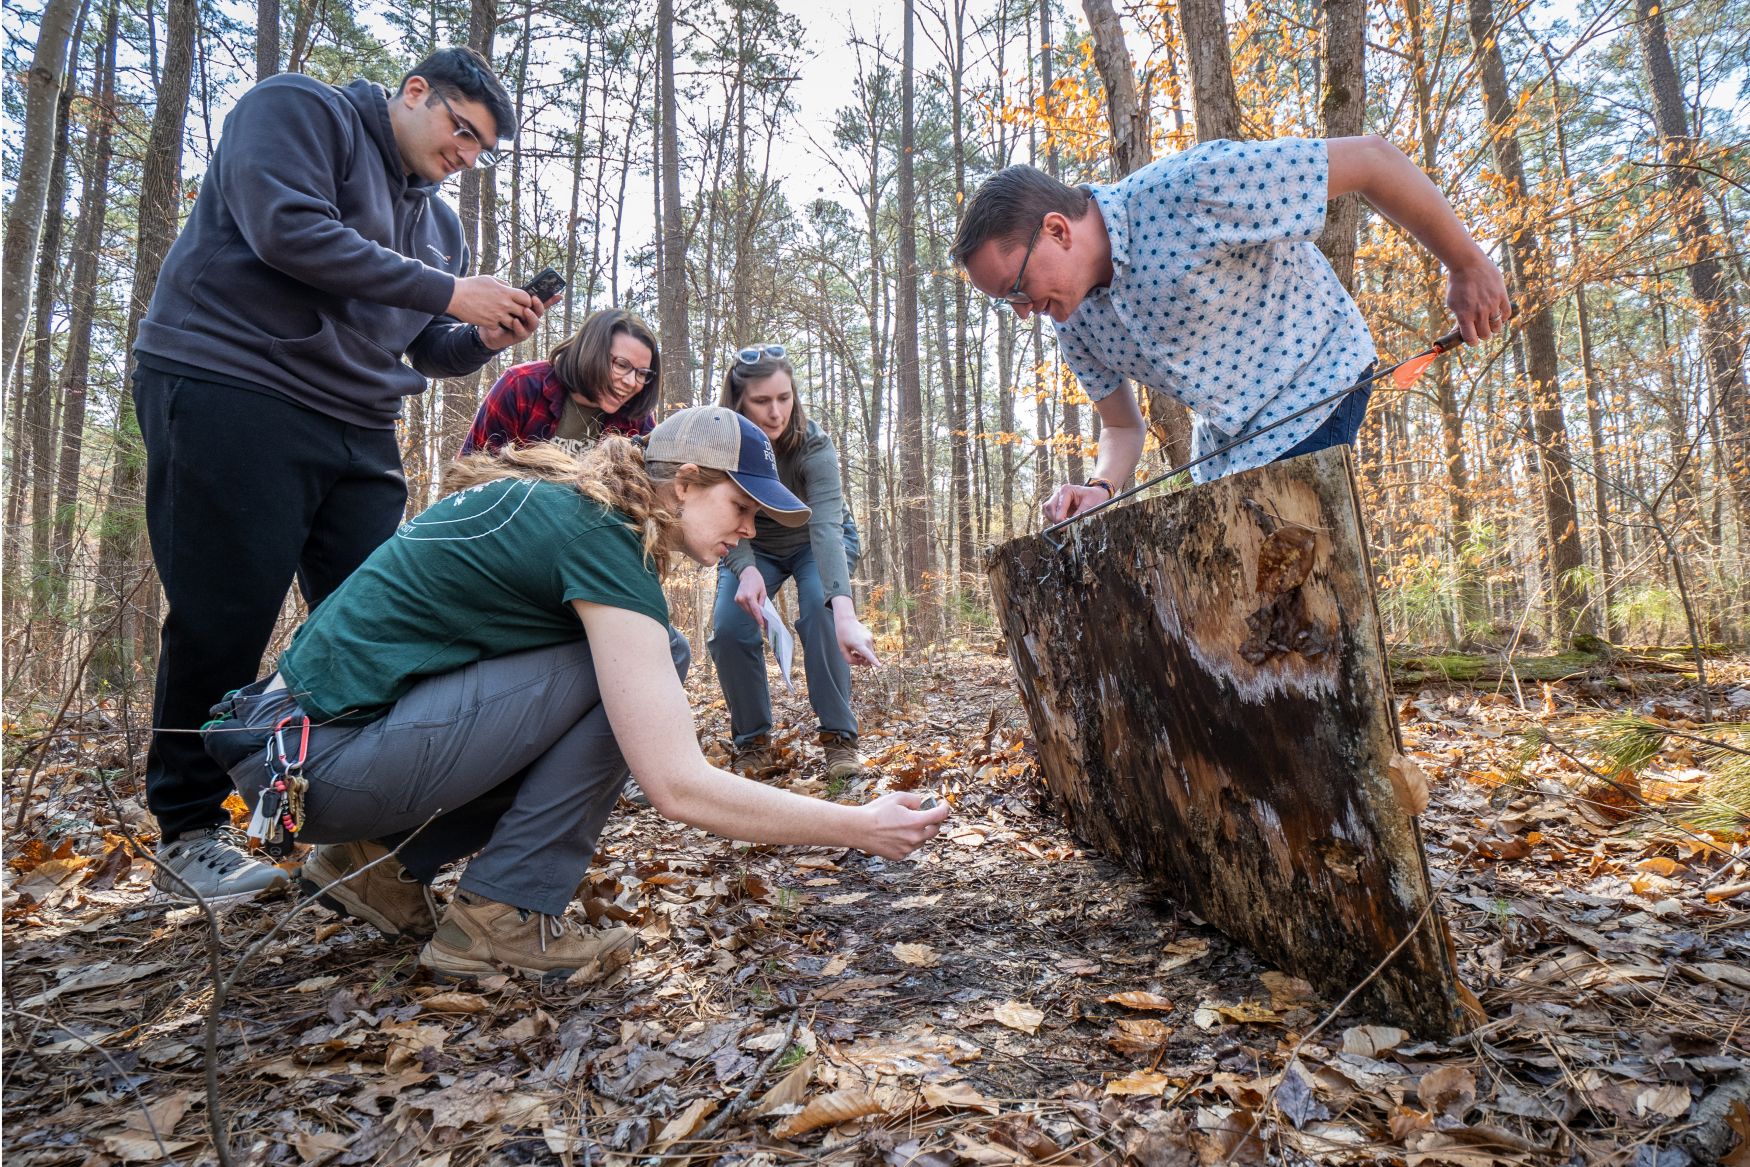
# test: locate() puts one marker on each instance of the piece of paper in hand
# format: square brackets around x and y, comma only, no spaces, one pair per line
[783,644]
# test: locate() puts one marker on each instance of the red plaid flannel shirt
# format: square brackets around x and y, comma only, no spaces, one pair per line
[524,407]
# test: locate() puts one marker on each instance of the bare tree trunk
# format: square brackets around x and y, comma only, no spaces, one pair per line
[1342,111]
[672,311]
[32,434]
[1721,342]
[121,552]
[476,207]
[1131,150]
[1215,105]
[1072,413]
[24,220]
[579,132]
[1531,268]
[267,38]
[915,543]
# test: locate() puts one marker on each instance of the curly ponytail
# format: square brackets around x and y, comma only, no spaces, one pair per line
[613,472]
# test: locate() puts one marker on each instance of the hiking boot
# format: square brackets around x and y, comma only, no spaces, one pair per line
[215,864]
[479,937]
[843,762]
[757,759]
[384,896]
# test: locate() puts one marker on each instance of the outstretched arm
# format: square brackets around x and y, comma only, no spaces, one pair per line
[654,727]
[1396,187]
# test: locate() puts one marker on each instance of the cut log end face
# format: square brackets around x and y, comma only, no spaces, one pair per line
[1204,681]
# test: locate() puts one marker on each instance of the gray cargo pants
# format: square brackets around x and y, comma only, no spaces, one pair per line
[511,760]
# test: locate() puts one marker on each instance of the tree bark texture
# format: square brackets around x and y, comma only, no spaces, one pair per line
[915,539]
[24,220]
[267,38]
[672,313]
[1342,114]
[1132,149]
[1721,341]
[1537,326]
[1205,679]
[1214,101]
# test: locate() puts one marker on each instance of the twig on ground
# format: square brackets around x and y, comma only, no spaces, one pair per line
[121,1076]
[754,1079]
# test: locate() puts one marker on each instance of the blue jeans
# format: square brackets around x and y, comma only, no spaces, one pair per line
[738,648]
[1340,428]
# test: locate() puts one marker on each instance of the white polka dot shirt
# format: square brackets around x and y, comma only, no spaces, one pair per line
[1219,297]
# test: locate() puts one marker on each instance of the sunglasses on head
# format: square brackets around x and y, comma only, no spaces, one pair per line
[753,354]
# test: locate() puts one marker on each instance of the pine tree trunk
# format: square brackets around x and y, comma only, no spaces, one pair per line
[1342,113]
[1215,104]
[1537,326]
[267,38]
[1721,342]
[24,219]
[672,312]
[914,543]
[121,555]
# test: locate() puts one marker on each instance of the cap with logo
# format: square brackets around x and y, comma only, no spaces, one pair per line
[722,439]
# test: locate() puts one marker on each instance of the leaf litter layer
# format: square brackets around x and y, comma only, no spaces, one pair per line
[1003,997]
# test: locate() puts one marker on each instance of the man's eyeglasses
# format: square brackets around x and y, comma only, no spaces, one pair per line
[484,155]
[753,354]
[1015,297]
[623,368]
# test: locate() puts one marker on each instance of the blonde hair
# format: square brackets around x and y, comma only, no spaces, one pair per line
[613,472]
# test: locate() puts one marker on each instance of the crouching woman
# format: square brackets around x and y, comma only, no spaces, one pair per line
[478,686]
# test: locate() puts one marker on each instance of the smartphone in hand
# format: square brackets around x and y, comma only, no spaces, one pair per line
[547,284]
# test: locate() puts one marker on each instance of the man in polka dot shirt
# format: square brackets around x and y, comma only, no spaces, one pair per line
[1197,275]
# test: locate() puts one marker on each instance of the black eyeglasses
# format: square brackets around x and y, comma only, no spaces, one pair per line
[485,155]
[1015,297]
[623,368]
[753,354]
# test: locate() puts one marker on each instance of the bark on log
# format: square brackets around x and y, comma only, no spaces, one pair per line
[1206,684]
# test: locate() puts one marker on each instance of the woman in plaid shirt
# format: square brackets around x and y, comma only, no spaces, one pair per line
[604,379]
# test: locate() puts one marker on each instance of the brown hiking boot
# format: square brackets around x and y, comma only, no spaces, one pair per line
[758,759]
[843,762]
[385,896]
[479,937]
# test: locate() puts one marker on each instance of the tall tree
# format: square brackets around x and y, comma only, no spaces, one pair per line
[1530,271]
[914,527]
[267,38]
[121,543]
[24,220]
[1215,104]
[1132,149]
[1072,413]
[1722,344]
[672,310]
[1342,112]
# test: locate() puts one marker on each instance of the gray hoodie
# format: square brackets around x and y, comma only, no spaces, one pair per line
[313,264]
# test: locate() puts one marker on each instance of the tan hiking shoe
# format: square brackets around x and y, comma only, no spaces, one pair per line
[843,762]
[479,937]
[758,759]
[384,896]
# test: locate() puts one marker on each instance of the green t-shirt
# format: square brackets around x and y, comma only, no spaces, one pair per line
[487,571]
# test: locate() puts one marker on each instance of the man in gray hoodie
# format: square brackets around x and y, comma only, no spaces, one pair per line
[318,281]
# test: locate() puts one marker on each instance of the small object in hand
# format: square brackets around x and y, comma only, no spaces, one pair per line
[929,802]
[547,284]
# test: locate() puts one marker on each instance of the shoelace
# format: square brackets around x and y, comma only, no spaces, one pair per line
[220,851]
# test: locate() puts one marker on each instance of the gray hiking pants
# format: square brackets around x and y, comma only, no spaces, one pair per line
[511,760]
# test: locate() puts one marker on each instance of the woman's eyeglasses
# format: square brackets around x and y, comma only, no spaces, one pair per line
[623,368]
[753,354]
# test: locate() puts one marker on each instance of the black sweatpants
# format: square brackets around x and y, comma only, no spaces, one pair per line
[244,492]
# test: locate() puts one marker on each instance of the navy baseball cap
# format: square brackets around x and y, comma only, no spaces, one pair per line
[722,439]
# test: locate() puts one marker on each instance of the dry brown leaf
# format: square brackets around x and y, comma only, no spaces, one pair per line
[1148,1083]
[1660,865]
[1137,999]
[1248,1013]
[957,1096]
[106,975]
[1372,1040]
[1286,992]
[1409,783]
[166,1113]
[791,1089]
[965,836]
[453,1002]
[1448,1090]
[131,1146]
[314,984]
[829,1110]
[1670,1100]
[1019,1015]
[1135,1035]
[916,955]
[682,1125]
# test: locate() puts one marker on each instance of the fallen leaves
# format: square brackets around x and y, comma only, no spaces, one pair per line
[1137,999]
[916,955]
[1019,1015]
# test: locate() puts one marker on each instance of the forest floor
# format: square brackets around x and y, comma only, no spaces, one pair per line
[962,1007]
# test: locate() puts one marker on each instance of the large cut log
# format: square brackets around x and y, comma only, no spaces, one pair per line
[1206,683]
